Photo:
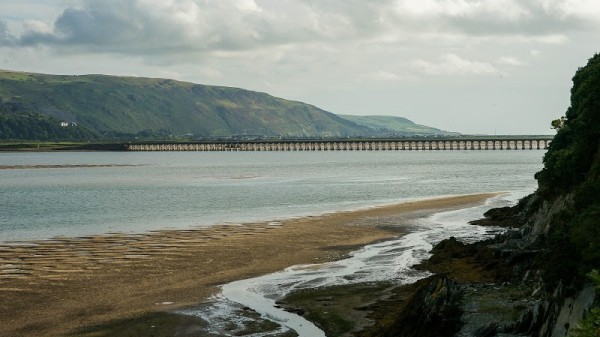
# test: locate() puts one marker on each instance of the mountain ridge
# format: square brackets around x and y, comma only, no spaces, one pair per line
[397,126]
[110,106]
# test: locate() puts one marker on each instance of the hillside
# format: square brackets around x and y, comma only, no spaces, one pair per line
[111,105]
[396,126]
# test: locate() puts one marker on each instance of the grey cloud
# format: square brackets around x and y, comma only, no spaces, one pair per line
[135,27]
[363,18]
[139,27]
[537,24]
[485,18]
[96,25]
[6,39]
[109,25]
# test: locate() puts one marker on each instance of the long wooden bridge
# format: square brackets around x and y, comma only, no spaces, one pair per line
[405,144]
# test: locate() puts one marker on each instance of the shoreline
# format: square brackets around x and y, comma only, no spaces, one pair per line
[57,287]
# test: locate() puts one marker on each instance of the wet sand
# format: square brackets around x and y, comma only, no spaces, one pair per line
[56,287]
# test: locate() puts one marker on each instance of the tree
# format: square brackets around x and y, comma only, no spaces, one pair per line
[557,124]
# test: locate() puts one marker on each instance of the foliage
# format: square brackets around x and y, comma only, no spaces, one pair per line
[39,127]
[572,166]
[572,151]
[557,124]
[590,325]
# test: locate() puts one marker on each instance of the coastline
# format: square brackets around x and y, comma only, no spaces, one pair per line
[57,287]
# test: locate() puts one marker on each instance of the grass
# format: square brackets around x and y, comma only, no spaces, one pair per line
[168,324]
[159,324]
[347,309]
[59,146]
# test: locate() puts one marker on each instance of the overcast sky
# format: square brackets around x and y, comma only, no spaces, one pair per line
[472,66]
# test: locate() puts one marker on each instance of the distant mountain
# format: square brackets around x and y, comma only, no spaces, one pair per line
[38,106]
[396,126]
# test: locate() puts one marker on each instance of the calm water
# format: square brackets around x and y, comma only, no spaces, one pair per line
[183,189]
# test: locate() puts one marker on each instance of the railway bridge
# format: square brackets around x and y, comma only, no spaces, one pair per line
[404,144]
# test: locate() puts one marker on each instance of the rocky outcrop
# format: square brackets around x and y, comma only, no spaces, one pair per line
[540,222]
[550,315]
[504,292]
[496,287]
[434,311]
[531,281]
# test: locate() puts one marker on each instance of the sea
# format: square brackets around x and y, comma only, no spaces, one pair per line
[69,194]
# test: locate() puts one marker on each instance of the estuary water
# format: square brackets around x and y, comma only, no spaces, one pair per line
[390,261]
[46,195]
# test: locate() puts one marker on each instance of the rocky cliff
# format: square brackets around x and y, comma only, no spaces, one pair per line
[532,280]
[505,290]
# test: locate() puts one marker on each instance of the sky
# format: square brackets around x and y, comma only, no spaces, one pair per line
[470,66]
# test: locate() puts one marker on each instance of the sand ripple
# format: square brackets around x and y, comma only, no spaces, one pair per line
[54,287]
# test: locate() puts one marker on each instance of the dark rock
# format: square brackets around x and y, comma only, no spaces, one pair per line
[508,217]
[469,262]
[488,331]
[434,311]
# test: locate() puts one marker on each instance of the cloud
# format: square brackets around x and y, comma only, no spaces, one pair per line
[140,26]
[587,10]
[6,39]
[452,64]
[506,10]
[37,26]
[209,73]
[510,61]
[94,26]
[170,27]
[500,17]
[381,76]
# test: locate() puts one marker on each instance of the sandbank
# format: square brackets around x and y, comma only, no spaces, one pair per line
[56,287]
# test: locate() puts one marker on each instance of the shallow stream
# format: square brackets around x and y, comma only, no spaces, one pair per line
[386,261]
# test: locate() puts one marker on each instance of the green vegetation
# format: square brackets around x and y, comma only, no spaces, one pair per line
[168,324]
[572,168]
[150,325]
[590,325]
[569,160]
[32,106]
[396,126]
[127,107]
[343,310]
[36,145]
[39,127]
[61,146]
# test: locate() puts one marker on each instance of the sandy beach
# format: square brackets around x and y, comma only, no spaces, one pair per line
[56,287]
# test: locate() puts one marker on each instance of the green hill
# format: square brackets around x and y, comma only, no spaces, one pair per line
[110,105]
[33,106]
[396,126]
